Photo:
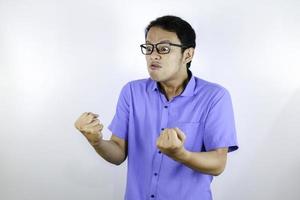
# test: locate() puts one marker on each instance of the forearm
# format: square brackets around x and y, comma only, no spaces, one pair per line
[212,162]
[110,151]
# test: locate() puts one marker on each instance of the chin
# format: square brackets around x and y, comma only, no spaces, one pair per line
[155,78]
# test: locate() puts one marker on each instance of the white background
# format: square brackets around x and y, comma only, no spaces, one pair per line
[59,59]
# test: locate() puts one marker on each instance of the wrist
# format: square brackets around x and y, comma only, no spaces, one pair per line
[182,155]
[97,143]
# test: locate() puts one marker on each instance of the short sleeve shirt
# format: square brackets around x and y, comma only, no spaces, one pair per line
[203,111]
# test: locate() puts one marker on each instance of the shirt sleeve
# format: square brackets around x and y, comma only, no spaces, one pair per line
[119,123]
[219,128]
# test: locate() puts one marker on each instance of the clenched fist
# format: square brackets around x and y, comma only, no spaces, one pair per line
[90,127]
[170,142]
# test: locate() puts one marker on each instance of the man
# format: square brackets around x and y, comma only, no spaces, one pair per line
[175,128]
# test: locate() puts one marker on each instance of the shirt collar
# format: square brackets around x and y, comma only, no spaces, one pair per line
[189,88]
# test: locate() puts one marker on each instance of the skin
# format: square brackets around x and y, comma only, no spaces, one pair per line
[172,78]
[172,75]
[113,150]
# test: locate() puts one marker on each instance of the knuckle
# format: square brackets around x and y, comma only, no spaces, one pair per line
[157,143]
[75,124]
[85,130]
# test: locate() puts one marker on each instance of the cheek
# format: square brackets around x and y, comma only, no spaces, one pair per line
[147,59]
[174,60]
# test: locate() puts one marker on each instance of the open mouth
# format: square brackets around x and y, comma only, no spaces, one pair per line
[155,67]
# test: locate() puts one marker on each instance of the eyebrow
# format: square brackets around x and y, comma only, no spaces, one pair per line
[163,41]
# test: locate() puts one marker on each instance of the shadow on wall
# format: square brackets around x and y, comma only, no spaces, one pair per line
[278,161]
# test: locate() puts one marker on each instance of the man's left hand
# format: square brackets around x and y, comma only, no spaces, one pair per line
[170,142]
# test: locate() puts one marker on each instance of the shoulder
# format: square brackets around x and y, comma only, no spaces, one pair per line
[139,82]
[138,85]
[209,88]
[136,88]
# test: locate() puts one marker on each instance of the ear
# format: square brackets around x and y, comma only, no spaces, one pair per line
[188,55]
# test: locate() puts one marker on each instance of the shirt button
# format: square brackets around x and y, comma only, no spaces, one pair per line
[166,106]
[159,151]
[162,129]
[155,174]
[152,196]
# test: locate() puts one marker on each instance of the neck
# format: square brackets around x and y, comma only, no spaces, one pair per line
[174,87]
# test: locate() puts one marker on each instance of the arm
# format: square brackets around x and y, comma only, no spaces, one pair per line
[171,141]
[212,162]
[113,150]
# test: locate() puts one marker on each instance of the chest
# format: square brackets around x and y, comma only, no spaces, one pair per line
[152,114]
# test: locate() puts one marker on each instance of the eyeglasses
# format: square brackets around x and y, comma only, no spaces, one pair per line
[161,48]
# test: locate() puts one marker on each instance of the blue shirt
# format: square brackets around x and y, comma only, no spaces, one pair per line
[203,111]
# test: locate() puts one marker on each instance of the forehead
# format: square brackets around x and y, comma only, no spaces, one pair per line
[157,34]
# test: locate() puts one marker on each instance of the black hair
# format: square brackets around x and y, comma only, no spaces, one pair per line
[183,30]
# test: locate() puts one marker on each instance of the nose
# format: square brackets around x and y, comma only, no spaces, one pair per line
[155,55]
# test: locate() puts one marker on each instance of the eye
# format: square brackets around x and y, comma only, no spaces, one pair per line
[148,48]
[164,49]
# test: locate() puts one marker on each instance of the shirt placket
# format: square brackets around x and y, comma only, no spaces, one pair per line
[158,157]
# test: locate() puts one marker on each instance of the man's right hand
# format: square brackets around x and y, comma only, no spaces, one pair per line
[90,127]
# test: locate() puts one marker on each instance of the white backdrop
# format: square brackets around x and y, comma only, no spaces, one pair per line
[59,59]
